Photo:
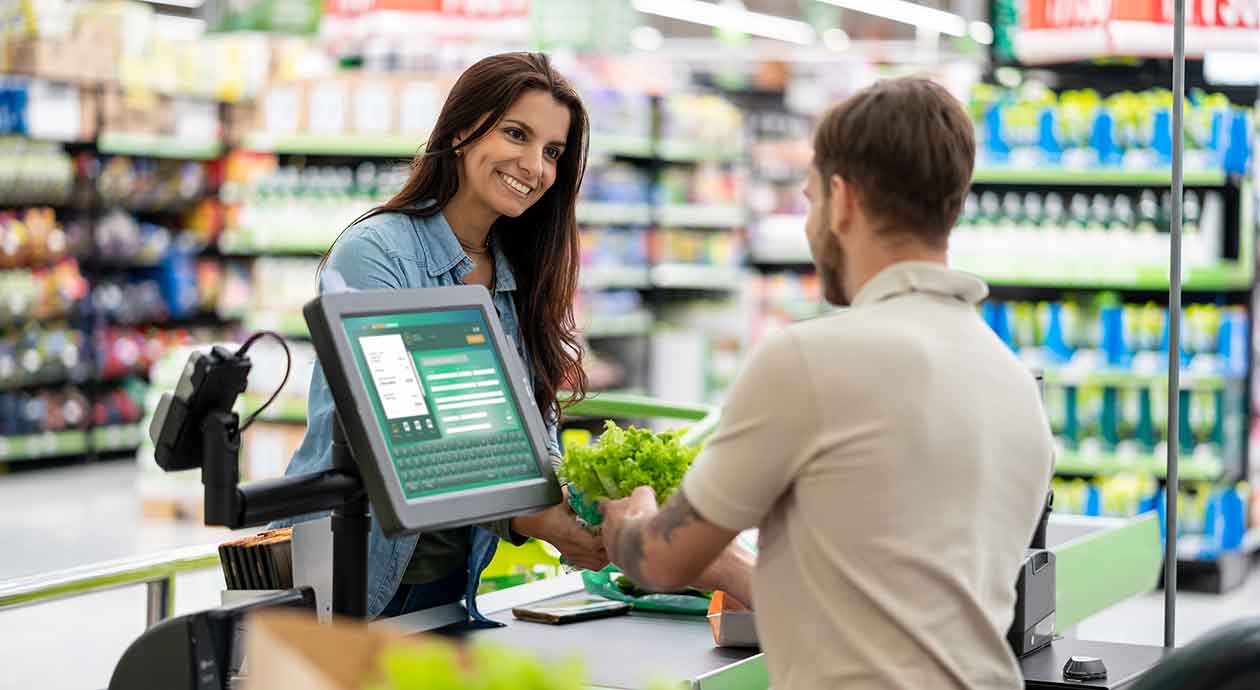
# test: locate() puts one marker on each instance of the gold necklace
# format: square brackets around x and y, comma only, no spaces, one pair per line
[483,250]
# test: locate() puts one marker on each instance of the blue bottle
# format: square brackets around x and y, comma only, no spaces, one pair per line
[1102,138]
[1054,341]
[1239,149]
[1047,137]
[994,140]
[1161,138]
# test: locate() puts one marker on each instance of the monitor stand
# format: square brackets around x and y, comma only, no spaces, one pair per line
[339,489]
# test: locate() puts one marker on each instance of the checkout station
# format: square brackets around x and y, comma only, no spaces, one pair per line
[480,454]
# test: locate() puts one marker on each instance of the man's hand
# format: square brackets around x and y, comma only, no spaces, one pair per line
[558,526]
[640,504]
[660,549]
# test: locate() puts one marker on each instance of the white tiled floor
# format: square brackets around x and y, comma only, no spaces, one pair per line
[59,518]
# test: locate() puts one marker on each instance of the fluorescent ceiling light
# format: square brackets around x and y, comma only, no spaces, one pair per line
[911,13]
[836,39]
[982,33]
[646,38]
[730,18]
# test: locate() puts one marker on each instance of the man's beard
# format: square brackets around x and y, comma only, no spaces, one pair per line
[831,267]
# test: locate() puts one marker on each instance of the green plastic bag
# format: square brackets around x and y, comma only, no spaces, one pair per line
[587,512]
[601,584]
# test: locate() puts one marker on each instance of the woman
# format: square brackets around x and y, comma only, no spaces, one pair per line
[490,201]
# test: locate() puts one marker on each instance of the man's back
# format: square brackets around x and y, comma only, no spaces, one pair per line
[915,457]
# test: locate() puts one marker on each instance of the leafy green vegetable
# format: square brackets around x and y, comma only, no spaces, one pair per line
[439,665]
[625,459]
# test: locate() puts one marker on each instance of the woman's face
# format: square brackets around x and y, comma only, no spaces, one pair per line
[514,164]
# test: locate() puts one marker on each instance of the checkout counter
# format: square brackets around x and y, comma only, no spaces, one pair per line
[400,365]
[1101,562]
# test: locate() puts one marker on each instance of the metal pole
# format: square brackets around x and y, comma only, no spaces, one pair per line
[350,527]
[1174,327]
[158,597]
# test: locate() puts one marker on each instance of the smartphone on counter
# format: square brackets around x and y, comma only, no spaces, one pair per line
[570,610]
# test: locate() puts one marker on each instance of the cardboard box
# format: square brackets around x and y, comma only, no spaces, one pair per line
[282,109]
[375,106]
[288,650]
[52,59]
[329,109]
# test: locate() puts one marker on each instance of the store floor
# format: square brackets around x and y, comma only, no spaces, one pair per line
[59,518]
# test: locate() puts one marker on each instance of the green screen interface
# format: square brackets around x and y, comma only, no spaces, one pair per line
[442,400]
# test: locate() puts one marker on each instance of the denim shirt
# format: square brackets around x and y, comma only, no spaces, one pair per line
[392,251]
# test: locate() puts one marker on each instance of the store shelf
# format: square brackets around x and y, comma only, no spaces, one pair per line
[46,445]
[686,151]
[1125,378]
[365,145]
[613,213]
[154,146]
[695,276]
[287,324]
[1094,176]
[110,439]
[621,145]
[241,243]
[1196,468]
[612,277]
[635,323]
[1093,276]
[285,410]
[702,215]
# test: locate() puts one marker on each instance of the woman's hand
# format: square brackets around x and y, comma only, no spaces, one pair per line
[558,526]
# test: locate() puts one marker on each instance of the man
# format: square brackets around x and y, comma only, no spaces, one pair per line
[895,455]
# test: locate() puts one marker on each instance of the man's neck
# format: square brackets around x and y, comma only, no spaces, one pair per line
[867,265]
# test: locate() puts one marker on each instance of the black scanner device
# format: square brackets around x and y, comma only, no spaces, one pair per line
[1033,626]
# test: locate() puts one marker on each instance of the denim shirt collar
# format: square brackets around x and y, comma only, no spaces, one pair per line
[444,255]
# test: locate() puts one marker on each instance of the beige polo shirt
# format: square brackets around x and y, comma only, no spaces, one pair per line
[896,457]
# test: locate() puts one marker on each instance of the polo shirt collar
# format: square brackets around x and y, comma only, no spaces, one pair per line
[444,255]
[921,276]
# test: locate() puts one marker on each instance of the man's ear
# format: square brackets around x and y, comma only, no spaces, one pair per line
[841,205]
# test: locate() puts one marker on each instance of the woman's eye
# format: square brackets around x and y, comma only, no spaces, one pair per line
[514,133]
[553,153]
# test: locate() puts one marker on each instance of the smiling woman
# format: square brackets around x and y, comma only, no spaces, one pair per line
[490,201]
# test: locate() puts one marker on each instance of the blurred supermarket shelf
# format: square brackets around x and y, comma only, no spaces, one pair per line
[696,276]
[289,325]
[1199,467]
[613,213]
[635,323]
[702,215]
[614,276]
[49,444]
[1094,176]
[349,145]
[158,146]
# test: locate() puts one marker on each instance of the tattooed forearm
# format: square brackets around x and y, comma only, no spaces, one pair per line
[676,513]
[628,551]
[638,536]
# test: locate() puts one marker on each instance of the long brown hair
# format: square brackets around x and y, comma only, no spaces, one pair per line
[542,243]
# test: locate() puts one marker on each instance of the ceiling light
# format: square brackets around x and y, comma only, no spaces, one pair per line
[730,18]
[646,38]
[836,39]
[982,33]
[911,13]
